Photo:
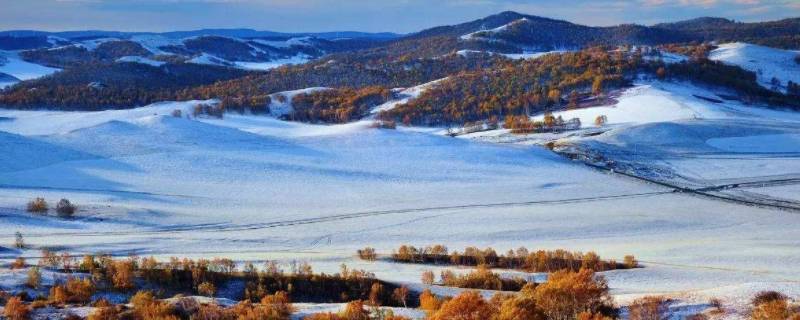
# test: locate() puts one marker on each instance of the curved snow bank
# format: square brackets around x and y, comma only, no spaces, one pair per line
[767,63]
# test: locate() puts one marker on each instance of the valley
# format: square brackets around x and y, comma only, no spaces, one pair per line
[227,165]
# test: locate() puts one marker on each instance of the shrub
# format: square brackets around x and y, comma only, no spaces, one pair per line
[367,254]
[105,313]
[427,277]
[354,310]
[771,310]
[768,296]
[600,120]
[65,209]
[772,305]
[38,205]
[630,262]
[15,309]
[34,278]
[121,275]
[19,242]
[278,305]
[206,289]
[146,306]
[468,305]
[211,312]
[482,278]
[649,308]
[19,263]
[74,291]
[716,304]
[49,259]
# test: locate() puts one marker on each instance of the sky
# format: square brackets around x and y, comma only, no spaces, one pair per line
[401,16]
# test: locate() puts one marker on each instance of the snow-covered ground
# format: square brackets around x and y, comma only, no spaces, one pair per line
[256,188]
[766,62]
[142,60]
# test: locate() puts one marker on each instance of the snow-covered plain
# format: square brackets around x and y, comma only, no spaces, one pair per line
[256,188]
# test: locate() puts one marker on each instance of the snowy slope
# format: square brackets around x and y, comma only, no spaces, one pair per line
[404,96]
[477,34]
[263,66]
[767,63]
[11,64]
[142,60]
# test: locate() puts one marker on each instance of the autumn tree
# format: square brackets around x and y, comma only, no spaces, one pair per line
[37,205]
[520,307]
[401,295]
[428,277]
[567,293]
[354,310]
[146,306]
[468,305]
[375,293]
[206,289]
[649,308]
[121,274]
[429,302]
[278,305]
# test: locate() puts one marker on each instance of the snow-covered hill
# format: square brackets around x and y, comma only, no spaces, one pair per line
[767,63]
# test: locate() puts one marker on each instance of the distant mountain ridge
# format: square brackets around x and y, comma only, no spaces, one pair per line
[532,33]
[236,33]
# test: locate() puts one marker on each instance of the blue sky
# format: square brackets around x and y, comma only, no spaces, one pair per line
[359,15]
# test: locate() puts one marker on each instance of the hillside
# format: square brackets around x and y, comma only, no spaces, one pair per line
[212,63]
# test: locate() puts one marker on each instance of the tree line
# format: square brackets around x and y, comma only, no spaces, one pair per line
[519,259]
